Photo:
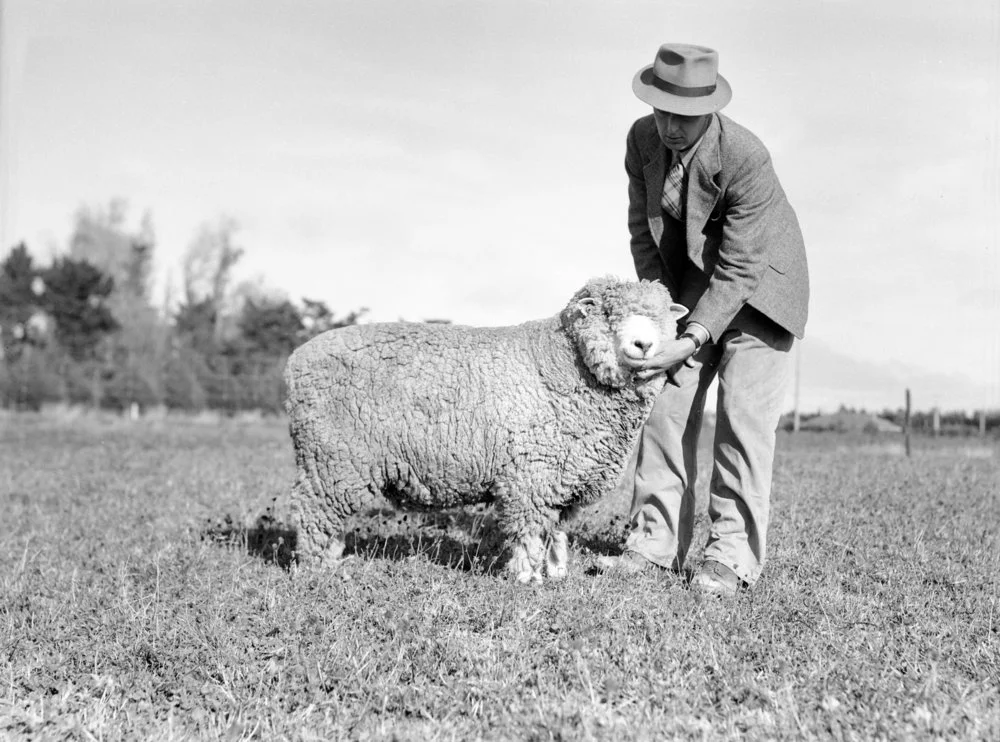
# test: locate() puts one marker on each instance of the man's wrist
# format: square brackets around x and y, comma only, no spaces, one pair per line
[698,334]
[692,338]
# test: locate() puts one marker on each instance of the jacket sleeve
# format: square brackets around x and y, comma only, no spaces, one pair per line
[649,264]
[752,196]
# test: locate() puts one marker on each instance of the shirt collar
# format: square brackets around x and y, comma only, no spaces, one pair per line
[688,154]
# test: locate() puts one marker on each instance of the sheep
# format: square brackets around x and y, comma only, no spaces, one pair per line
[538,418]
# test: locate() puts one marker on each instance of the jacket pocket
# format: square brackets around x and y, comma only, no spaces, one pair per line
[781,257]
[779,262]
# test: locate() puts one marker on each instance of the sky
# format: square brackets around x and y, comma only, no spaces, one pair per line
[464,160]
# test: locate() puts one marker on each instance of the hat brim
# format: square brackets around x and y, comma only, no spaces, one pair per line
[645,90]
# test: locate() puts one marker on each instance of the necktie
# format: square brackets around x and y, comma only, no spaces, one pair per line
[672,188]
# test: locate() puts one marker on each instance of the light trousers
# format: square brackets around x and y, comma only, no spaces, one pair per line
[752,360]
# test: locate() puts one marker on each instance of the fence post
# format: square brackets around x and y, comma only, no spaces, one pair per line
[796,419]
[906,423]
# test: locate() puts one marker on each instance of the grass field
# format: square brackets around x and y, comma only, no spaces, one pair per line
[142,596]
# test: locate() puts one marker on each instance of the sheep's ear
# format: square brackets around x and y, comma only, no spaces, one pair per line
[677,310]
[586,305]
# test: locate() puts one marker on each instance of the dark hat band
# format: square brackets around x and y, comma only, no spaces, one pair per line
[649,77]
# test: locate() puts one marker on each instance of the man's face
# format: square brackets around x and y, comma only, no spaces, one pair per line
[680,132]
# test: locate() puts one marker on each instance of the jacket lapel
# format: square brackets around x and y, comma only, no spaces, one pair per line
[654,173]
[703,192]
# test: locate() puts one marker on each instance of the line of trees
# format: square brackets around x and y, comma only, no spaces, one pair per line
[84,329]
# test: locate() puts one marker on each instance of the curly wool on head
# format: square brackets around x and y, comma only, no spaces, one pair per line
[596,315]
[537,417]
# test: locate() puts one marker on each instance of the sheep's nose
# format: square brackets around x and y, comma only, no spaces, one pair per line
[642,345]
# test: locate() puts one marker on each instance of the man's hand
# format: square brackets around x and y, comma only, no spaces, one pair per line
[672,353]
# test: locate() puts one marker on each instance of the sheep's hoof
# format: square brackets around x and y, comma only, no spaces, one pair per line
[557,573]
[528,576]
[321,565]
[328,557]
[330,562]
[524,573]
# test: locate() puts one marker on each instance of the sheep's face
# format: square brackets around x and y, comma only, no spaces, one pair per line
[612,320]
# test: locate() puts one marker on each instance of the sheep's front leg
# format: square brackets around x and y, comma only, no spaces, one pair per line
[524,517]
[528,559]
[557,556]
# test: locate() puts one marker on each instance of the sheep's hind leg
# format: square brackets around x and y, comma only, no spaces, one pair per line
[332,555]
[557,556]
[318,544]
[319,525]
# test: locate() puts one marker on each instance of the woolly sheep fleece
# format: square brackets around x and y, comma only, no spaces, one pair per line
[537,418]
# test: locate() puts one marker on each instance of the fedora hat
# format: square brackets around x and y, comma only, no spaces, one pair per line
[684,79]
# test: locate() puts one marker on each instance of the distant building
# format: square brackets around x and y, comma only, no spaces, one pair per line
[846,421]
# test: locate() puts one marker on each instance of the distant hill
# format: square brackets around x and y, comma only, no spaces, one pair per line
[831,378]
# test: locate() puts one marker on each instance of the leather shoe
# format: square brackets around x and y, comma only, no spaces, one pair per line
[715,578]
[630,563]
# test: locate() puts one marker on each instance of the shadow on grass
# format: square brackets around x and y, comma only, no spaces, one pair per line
[602,544]
[464,540]
[467,540]
[599,533]
[267,539]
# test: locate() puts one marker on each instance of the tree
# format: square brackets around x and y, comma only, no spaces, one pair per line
[317,318]
[27,378]
[135,355]
[75,297]
[270,328]
[139,267]
[194,325]
[207,270]
[198,372]
[182,380]
[18,302]
[101,238]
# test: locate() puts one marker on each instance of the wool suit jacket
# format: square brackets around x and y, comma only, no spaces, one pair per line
[740,241]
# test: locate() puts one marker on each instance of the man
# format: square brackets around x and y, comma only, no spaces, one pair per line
[709,219]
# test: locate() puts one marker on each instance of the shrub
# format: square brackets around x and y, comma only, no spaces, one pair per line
[126,386]
[29,381]
[182,387]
